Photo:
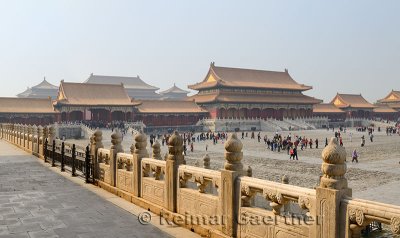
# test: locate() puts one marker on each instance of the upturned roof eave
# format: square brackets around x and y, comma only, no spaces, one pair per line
[222,84]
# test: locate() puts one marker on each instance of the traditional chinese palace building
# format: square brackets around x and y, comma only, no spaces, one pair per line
[135,87]
[329,110]
[389,106]
[174,93]
[42,90]
[385,112]
[98,102]
[27,111]
[169,112]
[354,105]
[392,100]
[246,93]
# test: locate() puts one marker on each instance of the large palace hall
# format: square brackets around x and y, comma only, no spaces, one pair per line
[223,93]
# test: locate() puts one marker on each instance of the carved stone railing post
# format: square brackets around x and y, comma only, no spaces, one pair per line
[29,147]
[14,134]
[17,134]
[96,143]
[45,137]
[25,136]
[35,139]
[40,140]
[229,195]
[116,140]
[45,133]
[332,188]
[21,135]
[157,150]
[286,206]
[10,132]
[174,159]
[139,152]
[51,134]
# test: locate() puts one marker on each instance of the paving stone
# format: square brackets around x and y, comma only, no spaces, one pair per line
[25,228]
[43,234]
[11,204]
[8,222]
[48,205]
[6,210]
[19,235]
[17,215]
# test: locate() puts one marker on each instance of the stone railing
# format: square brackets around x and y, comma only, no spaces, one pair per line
[359,213]
[103,165]
[217,203]
[302,211]
[153,186]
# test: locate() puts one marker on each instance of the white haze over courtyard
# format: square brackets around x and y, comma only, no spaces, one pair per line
[337,46]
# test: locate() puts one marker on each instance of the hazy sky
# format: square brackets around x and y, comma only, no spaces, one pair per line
[335,46]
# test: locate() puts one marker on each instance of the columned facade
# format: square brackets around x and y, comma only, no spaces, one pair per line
[261,111]
[104,114]
[156,120]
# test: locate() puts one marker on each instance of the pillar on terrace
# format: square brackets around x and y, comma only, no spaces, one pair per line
[233,168]
[333,187]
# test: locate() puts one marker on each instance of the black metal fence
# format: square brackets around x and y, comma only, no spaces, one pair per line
[70,158]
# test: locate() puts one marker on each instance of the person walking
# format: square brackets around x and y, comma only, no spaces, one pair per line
[295,153]
[291,154]
[316,143]
[354,156]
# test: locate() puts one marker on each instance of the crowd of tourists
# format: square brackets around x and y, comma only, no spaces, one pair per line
[277,142]
[189,138]
[392,130]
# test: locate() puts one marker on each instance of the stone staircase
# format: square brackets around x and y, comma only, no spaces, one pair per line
[267,125]
[281,124]
[299,124]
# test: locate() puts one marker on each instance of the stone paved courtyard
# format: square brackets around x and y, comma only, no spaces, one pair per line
[37,202]
[376,176]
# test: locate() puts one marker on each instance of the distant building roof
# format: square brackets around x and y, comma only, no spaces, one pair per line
[25,93]
[26,105]
[161,106]
[93,94]
[174,89]
[45,85]
[326,108]
[351,101]
[42,90]
[392,97]
[250,78]
[381,108]
[128,82]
